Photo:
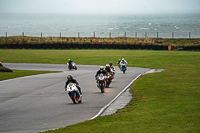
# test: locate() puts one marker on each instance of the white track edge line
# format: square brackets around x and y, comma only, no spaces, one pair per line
[105,107]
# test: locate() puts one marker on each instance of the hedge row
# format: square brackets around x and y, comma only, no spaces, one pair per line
[89,46]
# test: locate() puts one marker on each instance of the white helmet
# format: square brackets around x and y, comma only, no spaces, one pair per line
[101,68]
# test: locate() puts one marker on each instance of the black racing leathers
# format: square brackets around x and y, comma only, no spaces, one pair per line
[107,70]
[99,72]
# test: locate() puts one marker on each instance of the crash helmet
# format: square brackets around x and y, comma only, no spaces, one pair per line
[69,59]
[122,59]
[107,66]
[69,77]
[101,68]
[110,63]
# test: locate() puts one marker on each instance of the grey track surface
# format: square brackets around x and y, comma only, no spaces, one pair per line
[38,103]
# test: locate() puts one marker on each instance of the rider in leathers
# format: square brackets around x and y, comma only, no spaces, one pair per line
[70,63]
[101,70]
[123,61]
[107,69]
[71,79]
[111,66]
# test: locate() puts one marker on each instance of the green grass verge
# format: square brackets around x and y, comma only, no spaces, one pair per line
[21,73]
[162,102]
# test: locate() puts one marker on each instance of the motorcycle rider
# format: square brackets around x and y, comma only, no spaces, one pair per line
[123,61]
[107,69]
[101,70]
[71,79]
[70,63]
[111,66]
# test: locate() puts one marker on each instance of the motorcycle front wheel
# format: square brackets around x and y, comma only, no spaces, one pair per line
[102,88]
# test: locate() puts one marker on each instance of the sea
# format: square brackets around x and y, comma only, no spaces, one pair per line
[76,25]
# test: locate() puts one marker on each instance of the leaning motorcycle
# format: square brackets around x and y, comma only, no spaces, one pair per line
[109,79]
[72,66]
[74,93]
[101,82]
[123,67]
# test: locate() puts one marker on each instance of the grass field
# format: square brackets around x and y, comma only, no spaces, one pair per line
[168,101]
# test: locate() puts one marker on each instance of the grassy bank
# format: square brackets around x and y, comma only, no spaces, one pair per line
[162,102]
[115,40]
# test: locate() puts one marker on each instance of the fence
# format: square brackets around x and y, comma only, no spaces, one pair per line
[134,34]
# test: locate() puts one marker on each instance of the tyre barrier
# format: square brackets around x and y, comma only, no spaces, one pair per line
[56,45]
[132,47]
[149,47]
[116,46]
[74,45]
[137,46]
[143,46]
[103,46]
[109,46]
[159,47]
[98,46]
[50,46]
[86,46]
[91,46]
[94,46]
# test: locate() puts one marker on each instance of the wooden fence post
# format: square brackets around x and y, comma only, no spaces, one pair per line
[124,34]
[78,34]
[41,34]
[157,35]
[94,34]
[135,34]
[6,37]
[110,35]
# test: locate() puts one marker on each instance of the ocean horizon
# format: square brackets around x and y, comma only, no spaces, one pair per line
[74,25]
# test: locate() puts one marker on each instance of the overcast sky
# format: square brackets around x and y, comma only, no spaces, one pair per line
[100,6]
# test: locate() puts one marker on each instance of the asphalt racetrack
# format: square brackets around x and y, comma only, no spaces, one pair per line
[38,103]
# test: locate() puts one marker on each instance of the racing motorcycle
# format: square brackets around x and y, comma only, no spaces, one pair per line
[123,67]
[101,82]
[109,79]
[74,93]
[72,66]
